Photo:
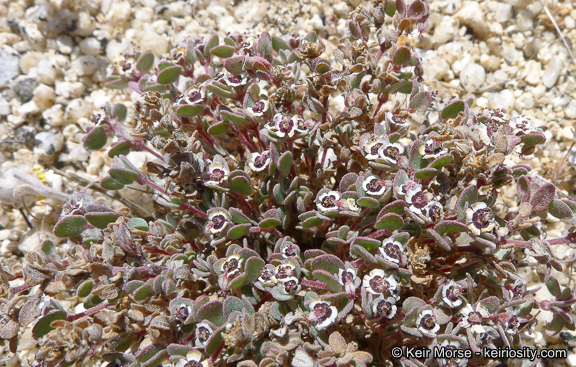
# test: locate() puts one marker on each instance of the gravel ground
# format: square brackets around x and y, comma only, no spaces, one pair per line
[54,55]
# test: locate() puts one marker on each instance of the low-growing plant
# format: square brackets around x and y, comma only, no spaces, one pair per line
[304,217]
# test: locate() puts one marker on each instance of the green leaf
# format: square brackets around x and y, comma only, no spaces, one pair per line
[43,327]
[211,311]
[390,221]
[368,202]
[223,51]
[189,110]
[368,243]
[238,231]
[214,341]
[70,226]
[111,184]
[95,139]
[212,42]
[232,304]
[138,223]
[397,207]
[234,117]
[279,44]
[470,196]
[254,266]
[237,216]
[152,355]
[555,326]
[426,173]
[560,209]
[329,263]
[85,288]
[240,185]
[269,223]
[121,147]
[412,303]
[285,163]
[221,90]
[101,220]
[402,56]
[48,247]
[123,175]
[312,222]
[235,65]
[218,128]
[449,226]
[143,292]
[329,279]
[169,75]
[453,109]
[553,286]
[116,83]
[421,101]
[145,61]
[265,44]
[441,161]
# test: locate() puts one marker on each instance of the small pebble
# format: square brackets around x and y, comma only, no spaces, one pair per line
[90,46]
[48,142]
[5,108]
[552,72]
[44,96]
[24,89]
[472,77]
[64,44]
[472,16]
[570,110]
[9,69]
[85,65]
[54,116]
[571,360]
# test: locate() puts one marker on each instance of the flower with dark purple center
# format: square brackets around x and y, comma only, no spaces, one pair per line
[346,276]
[472,318]
[373,185]
[391,152]
[259,108]
[231,265]
[299,124]
[290,250]
[384,307]
[183,312]
[247,46]
[328,201]
[451,294]
[410,185]
[193,96]
[322,313]
[291,285]
[371,148]
[433,211]
[218,220]
[417,199]
[203,332]
[217,173]
[396,123]
[267,277]
[285,271]
[521,124]
[193,359]
[426,322]
[234,80]
[285,126]
[377,283]
[259,161]
[392,250]
[432,148]
[511,323]
[480,218]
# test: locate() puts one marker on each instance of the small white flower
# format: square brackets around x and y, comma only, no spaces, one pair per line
[290,249]
[451,294]
[267,277]
[234,80]
[373,185]
[299,124]
[193,96]
[322,313]
[426,322]
[203,332]
[247,46]
[217,173]
[259,108]
[328,201]
[286,271]
[417,199]
[410,185]
[346,276]
[472,318]
[391,250]
[193,359]
[352,206]
[290,285]
[231,265]
[371,148]
[450,344]
[433,211]
[218,221]
[432,148]
[480,218]
[521,124]
[384,307]
[377,283]
[259,161]
[511,323]
[391,152]
[285,126]
[396,123]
